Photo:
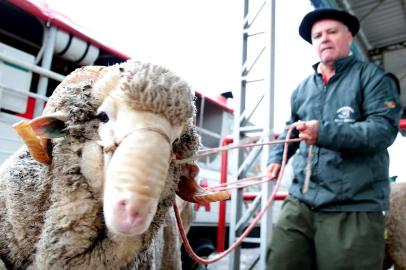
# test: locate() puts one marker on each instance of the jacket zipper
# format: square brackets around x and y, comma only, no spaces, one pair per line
[316,156]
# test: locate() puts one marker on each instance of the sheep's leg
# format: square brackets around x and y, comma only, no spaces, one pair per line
[73,236]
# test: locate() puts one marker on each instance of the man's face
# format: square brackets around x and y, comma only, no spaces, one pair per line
[331,39]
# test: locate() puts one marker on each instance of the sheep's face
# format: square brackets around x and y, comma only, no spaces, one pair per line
[142,110]
[137,154]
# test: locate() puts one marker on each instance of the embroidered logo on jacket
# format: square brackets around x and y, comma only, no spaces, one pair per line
[389,104]
[345,114]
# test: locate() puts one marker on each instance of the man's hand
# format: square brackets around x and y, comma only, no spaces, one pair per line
[272,171]
[308,131]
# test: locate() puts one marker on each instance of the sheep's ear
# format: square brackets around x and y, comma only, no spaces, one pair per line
[189,190]
[37,133]
[49,126]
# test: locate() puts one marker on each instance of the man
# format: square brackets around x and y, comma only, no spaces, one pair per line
[349,112]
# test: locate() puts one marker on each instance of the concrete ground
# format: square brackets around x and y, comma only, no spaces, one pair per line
[248,256]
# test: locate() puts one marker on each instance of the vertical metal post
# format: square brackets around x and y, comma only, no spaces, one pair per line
[221,229]
[45,63]
[1,96]
[266,222]
[243,126]
[236,196]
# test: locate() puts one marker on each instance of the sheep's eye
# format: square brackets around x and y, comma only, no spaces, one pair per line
[103,117]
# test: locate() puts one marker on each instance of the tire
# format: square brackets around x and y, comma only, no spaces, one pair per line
[203,248]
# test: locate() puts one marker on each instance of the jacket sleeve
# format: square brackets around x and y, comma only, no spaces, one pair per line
[276,155]
[377,131]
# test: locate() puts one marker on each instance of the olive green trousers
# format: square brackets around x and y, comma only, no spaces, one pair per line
[304,239]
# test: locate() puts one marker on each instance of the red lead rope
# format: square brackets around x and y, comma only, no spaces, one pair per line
[258,217]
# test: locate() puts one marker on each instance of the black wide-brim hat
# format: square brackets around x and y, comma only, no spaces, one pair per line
[305,28]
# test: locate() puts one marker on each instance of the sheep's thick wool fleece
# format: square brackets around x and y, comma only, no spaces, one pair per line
[51,216]
[395,251]
[156,89]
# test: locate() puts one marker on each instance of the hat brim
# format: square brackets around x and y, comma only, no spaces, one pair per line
[305,28]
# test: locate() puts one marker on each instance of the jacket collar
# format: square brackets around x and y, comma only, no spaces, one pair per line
[339,65]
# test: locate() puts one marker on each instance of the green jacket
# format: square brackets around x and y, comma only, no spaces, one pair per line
[358,112]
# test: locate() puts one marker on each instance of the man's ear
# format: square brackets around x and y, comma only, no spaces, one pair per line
[37,133]
[350,38]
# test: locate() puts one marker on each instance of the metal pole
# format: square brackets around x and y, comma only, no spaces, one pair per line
[46,64]
[4,88]
[45,72]
[266,222]
[221,229]
[236,196]
[243,127]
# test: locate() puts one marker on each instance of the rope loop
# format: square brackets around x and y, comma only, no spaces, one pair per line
[258,217]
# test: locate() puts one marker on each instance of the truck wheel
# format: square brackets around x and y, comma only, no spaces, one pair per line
[203,248]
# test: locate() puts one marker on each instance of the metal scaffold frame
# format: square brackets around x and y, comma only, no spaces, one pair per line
[243,128]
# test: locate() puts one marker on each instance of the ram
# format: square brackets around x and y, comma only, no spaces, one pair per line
[95,185]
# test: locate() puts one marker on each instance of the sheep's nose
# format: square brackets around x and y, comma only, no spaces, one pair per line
[127,210]
[129,218]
